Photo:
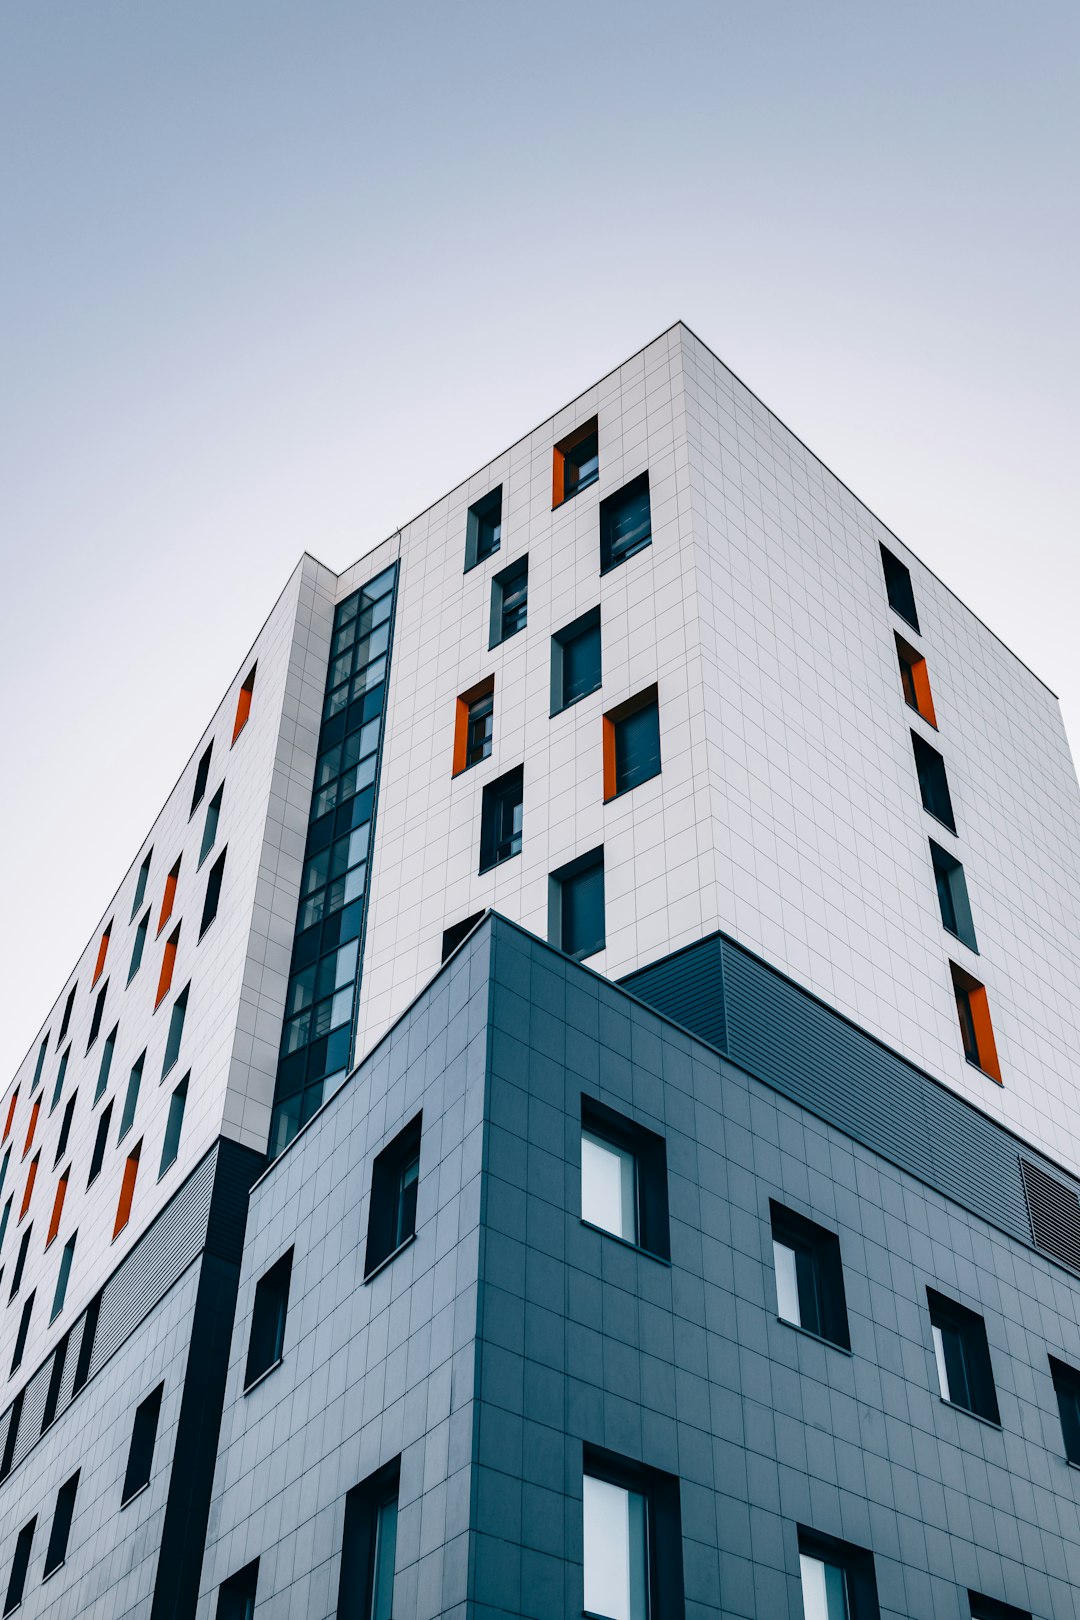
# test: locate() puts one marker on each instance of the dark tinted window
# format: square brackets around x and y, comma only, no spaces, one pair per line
[61,1525]
[452,937]
[625,523]
[952,895]
[19,1566]
[933,782]
[202,774]
[97,1158]
[575,661]
[962,1357]
[213,892]
[236,1596]
[632,744]
[809,1276]
[898,588]
[501,819]
[576,906]
[395,1178]
[509,601]
[268,1317]
[369,1548]
[484,528]
[141,1450]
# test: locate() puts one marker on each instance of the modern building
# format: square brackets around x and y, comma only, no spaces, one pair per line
[571,1110]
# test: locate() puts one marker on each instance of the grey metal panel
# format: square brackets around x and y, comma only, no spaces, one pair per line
[688,988]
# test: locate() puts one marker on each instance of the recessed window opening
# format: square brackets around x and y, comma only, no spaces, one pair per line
[624,1178]
[809,1276]
[236,1596]
[106,1062]
[168,899]
[976,1029]
[65,1129]
[56,1375]
[19,1566]
[501,819]
[243,702]
[98,1014]
[483,529]
[138,946]
[174,1125]
[202,776]
[97,1158]
[625,523]
[473,725]
[632,743]
[268,1317]
[915,681]
[837,1579]
[63,1514]
[632,1539]
[575,661]
[213,892]
[131,1097]
[141,1449]
[103,949]
[210,825]
[60,1076]
[952,895]
[576,462]
[1067,1389]
[63,1277]
[395,1179]
[40,1064]
[127,1190]
[66,1020]
[576,922]
[140,883]
[452,937]
[933,782]
[962,1357]
[509,601]
[369,1547]
[168,963]
[898,587]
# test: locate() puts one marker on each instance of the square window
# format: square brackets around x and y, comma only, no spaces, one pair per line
[837,1579]
[624,1178]
[474,725]
[631,743]
[933,782]
[268,1317]
[509,601]
[898,587]
[236,1596]
[962,1357]
[915,681]
[395,1179]
[952,895]
[976,1030]
[625,523]
[809,1276]
[501,819]
[631,1540]
[141,1450]
[575,661]
[369,1547]
[453,937]
[483,531]
[576,462]
[576,906]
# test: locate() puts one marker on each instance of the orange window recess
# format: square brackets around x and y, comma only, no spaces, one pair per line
[102,952]
[10,1114]
[976,1030]
[28,1190]
[641,760]
[168,963]
[243,703]
[168,899]
[127,1189]
[468,750]
[916,681]
[32,1127]
[576,462]
[58,1206]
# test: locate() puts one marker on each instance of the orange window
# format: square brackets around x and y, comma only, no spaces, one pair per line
[127,1189]
[168,963]
[916,681]
[28,1190]
[472,725]
[58,1206]
[102,952]
[576,462]
[631,743]
[976,1030]
[32,1127]
[11,1113]
[243,703]
[168,899]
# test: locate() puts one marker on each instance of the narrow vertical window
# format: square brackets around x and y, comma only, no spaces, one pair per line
[127,1190]
[12,1435]
[395,1177]
[1067,1389]
[5,1218]
[141,1450]
[168,963]
[575,661]
[62,1276]
[86,1344]
[3,1173]
[63,1514]
[98,1014]
[176,1030]
[576,906]
[106,1062]
[236,1596]
[509,602]
[66,1020]
[243,702]
[31,1126]
[103,951]
[933,782]
[13,1099]
[575,462]
[168,899]
[65,1129]
[369,1548]
[625,523]
[174,1125]
[97,1158]
[624,1178]
[212,897]
[501,819]
[138,946]
[898,587]
[40,1064]
[976,1030]
[20,1337]
[56,1377]
[20,1262]
[268,1317]
[131,1096]
[483,529]
[952,895]
[210,825]
[202,776]
[58,1206]
[19,1566]
[915,681]
[473,725]
[631,743]
[60,1075]
[140,883]
[28,1189]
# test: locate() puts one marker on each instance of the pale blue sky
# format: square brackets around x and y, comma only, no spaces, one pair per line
[275,276]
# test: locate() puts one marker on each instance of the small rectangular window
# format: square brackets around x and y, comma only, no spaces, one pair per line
[915,681]
[809,1276]
[141,1450]
[103,950]
[576,462]
[1067,1389]
[63,1277]
[395,1179]
[898,587]
[483,530]
[56,1377]
[269,1312]
[28,1189]
[369,1547]
[976,1030]
[236,1596]
[202,776]
[127,1190]
[837,1579]
[624,1178]
[984,1608]
[138,946]
[168,963]
[509,601]
[140,883]
[99,1013]
[12,1435]
[5,1218]
[19,1566]
[131,1097]
[625,523]
[575,661]
[97,1158]
[453,937]
[168,899]
[176,1029]
[174,1125]
[631,743]
[86,1344]
[576,906]
[106,1062]
[632,1539]
[243,703]
[12,1101]
[473,725]
[20,1262]
[933,782]
[962,1355]
[952,895]
[31,1127]
[212,898]
[63,1514]
[501,819]
[66,1020]
[3,1176]
[20,1337]
[60,1076]
[210,825]
[65,1129]
[40,1064]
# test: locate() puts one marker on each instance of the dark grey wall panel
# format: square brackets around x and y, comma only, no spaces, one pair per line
[689,988]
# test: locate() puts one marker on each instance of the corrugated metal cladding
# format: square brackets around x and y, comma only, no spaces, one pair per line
[728,997]
[1054,1208]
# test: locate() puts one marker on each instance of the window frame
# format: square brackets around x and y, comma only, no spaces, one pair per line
[60,1530]
[458,933]
[915,680]
[202,778]
[391,1197]
[141,1447]
[856,1563]
[587,624]
[664,1577]
[613,552]
[899,590]
[933,777]
[965,1353]
[562,450]
[505,790]
[615,779]
[478,515]
[269,1320]
[1066,1381]
[365,1505]
[238,1594]
[506,580]
[581,867]
[976,1026]
[950,883]
[819,1279]
[483,691]
[649,1152]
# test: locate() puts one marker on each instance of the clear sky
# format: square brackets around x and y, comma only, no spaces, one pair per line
[274,276]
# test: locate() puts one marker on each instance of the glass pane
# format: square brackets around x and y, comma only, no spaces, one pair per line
[354,883]
[637,747]
[583,912]
[615,1578]
[939,1357]
[824,1589]
[382,1597]
[787,1284]
[341,1008]
[345,971]
[608,1190]
[581,665]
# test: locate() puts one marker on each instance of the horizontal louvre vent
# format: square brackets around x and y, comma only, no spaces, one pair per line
[1054,1212]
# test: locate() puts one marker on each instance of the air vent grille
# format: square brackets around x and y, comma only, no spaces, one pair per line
[1054,1212]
